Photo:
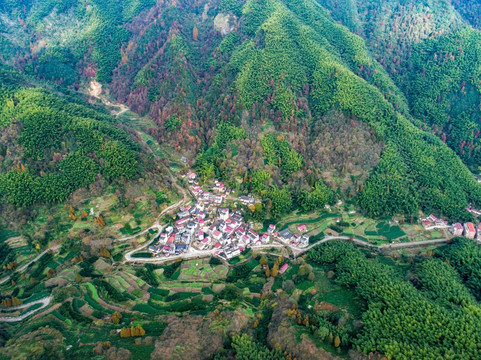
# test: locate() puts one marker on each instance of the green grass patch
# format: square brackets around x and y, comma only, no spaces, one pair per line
[145,308]
[93,304]
[306,284]
[31,308]
[93,291]
[310,221]
[142,255]
[36,296]
[157,291]
[7,234]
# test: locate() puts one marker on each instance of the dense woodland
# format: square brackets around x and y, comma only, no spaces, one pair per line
[285,71]
[419,318]
[52,147]
[299,102]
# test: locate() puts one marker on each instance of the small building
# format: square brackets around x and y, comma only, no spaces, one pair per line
[265,238]
[304,240]
[247,200]
[302,228]
[228,230]
[285,235]
[239,232]
[271,229]
[223,213]
[166,249]
[180,248]
[253,235]
[457,229]
[296,239]
[427,224]
[191,177]
[217,235]
[283,268]
[163,237]
[181,222]
[469,230]
[155,249]
[244,240]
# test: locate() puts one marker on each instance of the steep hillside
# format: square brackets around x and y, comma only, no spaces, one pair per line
[61,160]
[433,55]
[470,10]
[52,147]
[285,68]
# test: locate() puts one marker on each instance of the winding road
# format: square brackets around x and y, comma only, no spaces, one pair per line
[53,248]
[44,301]
[197,254]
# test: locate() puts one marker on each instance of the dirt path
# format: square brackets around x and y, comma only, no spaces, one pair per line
[95,90]
[113,307]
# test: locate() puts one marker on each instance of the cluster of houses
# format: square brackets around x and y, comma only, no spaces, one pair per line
[206,225]
[433,222]
[468,230]
[297,240]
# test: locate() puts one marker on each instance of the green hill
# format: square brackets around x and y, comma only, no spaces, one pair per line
[51,147]
[366,72]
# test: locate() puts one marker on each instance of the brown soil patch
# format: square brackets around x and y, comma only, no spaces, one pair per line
[56,282]
[323,305]
[113,307]
[102,266]
[46,312]
[86,310]
[208,298]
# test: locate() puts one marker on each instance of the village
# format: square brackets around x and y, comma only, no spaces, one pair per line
[468,229]
[207,225]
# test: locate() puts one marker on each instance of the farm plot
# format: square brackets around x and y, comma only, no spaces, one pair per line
[384,230]
[201,270]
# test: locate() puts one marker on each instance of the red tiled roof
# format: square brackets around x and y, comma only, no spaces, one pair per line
[471,227]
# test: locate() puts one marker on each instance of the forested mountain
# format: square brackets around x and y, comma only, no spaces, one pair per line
[379,100]
[352,117]
[51,147]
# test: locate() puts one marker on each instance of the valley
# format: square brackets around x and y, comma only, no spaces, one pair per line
[240,179]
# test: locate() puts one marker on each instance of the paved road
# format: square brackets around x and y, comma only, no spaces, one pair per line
[195,254]
[365,243]
[128,256]
[45,302]
[54,248]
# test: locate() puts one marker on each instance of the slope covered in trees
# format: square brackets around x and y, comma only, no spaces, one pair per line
[283,69]
[404,321]
[52,147]
[433,55]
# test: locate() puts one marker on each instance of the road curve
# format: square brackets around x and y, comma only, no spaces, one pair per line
[156,224]
[128,256]
[45,302]
[53,248]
